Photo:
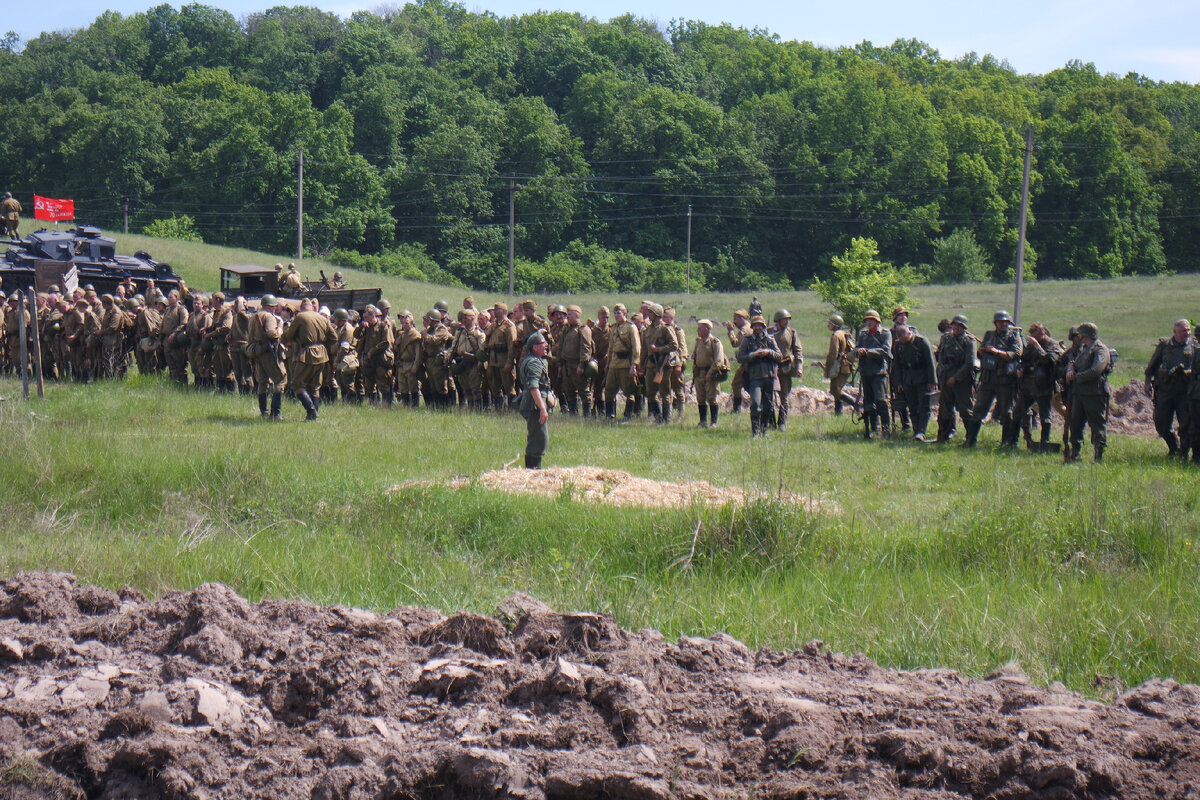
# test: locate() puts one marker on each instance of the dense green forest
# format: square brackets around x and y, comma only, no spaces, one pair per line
[415,122]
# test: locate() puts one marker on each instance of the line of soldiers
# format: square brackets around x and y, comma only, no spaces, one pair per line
[470,360]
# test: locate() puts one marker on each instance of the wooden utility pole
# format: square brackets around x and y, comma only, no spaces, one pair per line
[300,206]
[1021,232]
[39,379]
[689,249]
[512,231]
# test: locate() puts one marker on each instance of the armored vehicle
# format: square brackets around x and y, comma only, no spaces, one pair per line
[77,257]
[252,282]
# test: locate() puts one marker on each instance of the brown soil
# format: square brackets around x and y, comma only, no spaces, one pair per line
[204,695]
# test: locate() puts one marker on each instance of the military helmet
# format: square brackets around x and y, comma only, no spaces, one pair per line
[655,309]
[182,340]
[836,319]
[591,369]
[337,275]
[341,314]
[872,314]
[1001,316]
[898,310]
[534,338]
[781,314]
[442,305]
[268,300]
[757,320]
[405,314]
[960,319]
[384,304]
[1089,330]
[434,314]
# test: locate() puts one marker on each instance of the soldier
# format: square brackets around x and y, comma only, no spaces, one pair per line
[535,380]
[658,359]
[310,337]
[338,281]
[999,357]
[1088,378]
[1168,379]
[873,350]
[112,338]
[148,330]
[640,322]
[196,324]
[737,330]
[376,357]
[408,360]
[600,354]
[217,335]
[435,351]
[1038,360]
[62,352]
[500,342]
[624,355]
[914,376]
[677,361]
[292,285]
[900,317]
[1194,406]
[266,354]
[10,210]
[761,354]
[956,376]
[839,361]
[575,352]
[243,371]
[792,365]
[345,357]
[173,332]
[466,359]
[13,322]
[708,361]
[528,323]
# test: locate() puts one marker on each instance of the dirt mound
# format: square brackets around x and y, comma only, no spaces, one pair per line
[203,695]
[1132,410]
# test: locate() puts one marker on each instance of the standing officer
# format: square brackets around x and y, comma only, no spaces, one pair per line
[624,354]
[999,358]
[839,361]
[265,352]
[956,376]
[535,383]
[873,349]
[914,375]
[1167,379]
[792,365]
[1088,378]
[760,353]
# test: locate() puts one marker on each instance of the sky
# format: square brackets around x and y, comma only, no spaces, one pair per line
[1156,38]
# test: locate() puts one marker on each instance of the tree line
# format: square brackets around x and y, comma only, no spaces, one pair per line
[616,142]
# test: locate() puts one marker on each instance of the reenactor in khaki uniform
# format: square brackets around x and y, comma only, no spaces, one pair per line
[10,210]
[148,330]
[408,360]
[678,360]
[600,354]
[112,339]
[624,355]
[737,330]
[792,365]
[345,358]
[293,285]
[1038,359]
[528,324]
[266,354]
[310,337]
[62,351]
[72,337]
[4,363]
[466,359]
[708,363]
[376,357]
[197,359]
[839,362]
[1088,378]
[174,325]
[500,342]
[1000,360]
[49,324]
[243,371]
[557,315]
[435,353]
[1168,379]
[13,321]
[914,376]
[658,357]
[575,353]
[956,376]
[217,337]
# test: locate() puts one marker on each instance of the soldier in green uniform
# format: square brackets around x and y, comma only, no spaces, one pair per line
[265,353]
[873,350]
[1000,360]
[310,337]
[737,330]
[624,354]
[535,383]
[792,366]
[708,359]
[914,375]
[1168,378]
[1088,378]
[839,361]
[575,350]
[956,376]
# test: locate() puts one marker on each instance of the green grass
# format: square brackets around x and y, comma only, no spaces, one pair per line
[938,557]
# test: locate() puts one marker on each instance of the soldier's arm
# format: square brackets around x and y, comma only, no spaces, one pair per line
[1099,364]
[884,348]
[964,372]
[927,357]
[1155,361]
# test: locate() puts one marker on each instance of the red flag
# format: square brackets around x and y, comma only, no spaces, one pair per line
[54,210]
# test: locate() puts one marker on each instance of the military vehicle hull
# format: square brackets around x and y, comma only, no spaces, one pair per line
[47,257]
[252,282]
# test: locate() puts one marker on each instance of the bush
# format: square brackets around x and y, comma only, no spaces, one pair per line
[406,261]
[861,281]
[182,228]
[958,258]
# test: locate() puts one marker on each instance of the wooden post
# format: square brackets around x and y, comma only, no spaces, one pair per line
[1021,228]
[37,345]
[23,350]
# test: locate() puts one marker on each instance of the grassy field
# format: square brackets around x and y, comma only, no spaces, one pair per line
[937,557]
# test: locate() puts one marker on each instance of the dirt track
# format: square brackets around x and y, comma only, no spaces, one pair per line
[203,695]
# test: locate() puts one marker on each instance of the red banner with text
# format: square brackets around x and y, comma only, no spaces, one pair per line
[49,208]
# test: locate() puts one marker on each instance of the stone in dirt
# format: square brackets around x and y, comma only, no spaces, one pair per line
[204,695]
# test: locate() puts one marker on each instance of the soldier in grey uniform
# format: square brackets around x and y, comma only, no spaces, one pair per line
[914,375]
[1000,361]
[1088,378]
[873,349]
[535,383]
[760,354]
[1168,378]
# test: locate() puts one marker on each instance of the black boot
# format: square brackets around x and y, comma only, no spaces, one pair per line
[610,409]
[309,408]
[1097,453]
[1045,439]
[755,423]
[262,404]
[533,462]
[712,415]
[703,415]
[587,408]
[736,408]
[388,399]
[276,402]
[972,434]
[652,409]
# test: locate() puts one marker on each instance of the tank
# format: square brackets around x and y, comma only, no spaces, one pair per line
[45,257]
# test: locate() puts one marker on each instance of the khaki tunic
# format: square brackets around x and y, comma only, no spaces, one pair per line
[707,356]
[310,337]
[435,343]
[262,335]
[375,357]
[624,351]
[408,361]
[501,345]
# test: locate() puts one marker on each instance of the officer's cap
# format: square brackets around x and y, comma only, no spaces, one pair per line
[1088,329]
[757,319]
[836,319]
[1001,316]
[534,338]
[960,319]
[782,314]
[268,300]
[872,314]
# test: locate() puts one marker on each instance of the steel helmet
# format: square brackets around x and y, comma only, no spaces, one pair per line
[1001,316]
[836,319]
[782,314]
[872,314]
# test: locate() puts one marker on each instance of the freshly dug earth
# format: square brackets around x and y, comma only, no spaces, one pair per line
[204,695]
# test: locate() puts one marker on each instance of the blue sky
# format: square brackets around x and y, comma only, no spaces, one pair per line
[1157,38]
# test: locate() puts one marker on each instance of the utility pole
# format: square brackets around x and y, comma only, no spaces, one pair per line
[300,206]
[689,249]
[1024,216]
[125,214]
[512,230]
